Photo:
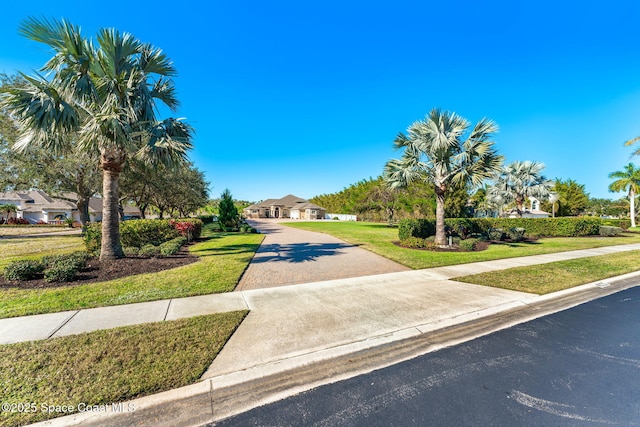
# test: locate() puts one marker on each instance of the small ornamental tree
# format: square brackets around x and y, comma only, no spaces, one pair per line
[228,217]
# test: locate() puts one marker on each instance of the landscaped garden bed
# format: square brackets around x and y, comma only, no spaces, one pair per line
[97,271]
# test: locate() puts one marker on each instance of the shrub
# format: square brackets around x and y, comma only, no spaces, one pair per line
[206,219]
[171,247]
[417,243]
[462,227]
[468,245]
[23,270]
[78,258]
[17,221]
[92,237]
[131,251]
[180,239]
[191,228]
[622,223]
[496,234]
[133,233]
[516,234]
[608,230]
[149,251]
[62,270]
[147,231]
[421,228]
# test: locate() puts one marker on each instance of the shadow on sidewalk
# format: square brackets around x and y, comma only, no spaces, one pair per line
[297,252]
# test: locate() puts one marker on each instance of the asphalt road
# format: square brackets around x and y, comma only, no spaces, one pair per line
[580,367]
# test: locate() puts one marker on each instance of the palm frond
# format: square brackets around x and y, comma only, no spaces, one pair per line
[44,114]
[154,61]
[632,141]
[167,142]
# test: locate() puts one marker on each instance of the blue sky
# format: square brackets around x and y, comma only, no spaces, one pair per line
[307,97]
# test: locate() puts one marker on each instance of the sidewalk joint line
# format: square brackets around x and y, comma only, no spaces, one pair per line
[63,324]
[166,313]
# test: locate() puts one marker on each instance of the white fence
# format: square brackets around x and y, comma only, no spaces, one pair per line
[341,217]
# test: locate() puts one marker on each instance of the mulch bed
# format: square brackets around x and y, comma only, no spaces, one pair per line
[95,271]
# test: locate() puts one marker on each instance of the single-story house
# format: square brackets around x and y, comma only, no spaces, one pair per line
[289,206]
[36,206]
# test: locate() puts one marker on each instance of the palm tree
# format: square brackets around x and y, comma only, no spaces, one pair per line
[108,92]
[435,152]
[519,181]
[627,180]
[7,210]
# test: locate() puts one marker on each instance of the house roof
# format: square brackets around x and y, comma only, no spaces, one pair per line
[289,201]
[38,200]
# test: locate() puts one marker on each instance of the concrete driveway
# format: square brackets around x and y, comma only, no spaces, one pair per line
[290,256]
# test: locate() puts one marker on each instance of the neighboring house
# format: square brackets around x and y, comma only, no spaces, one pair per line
[95,210]
[533,211]
[287,207]
[36,206]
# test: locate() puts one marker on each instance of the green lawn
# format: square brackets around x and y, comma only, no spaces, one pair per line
[114,365]
[18,230]
[379,238]
[559,275]
[223,259]
[31,248]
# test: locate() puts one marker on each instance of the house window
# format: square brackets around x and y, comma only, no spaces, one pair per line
[314,212]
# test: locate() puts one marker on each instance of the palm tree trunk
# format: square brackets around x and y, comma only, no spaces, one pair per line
[632,207]
[111,247]
[520,205]
[441,237]
[111,161]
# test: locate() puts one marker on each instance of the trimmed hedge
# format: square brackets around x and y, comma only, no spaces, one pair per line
[534,227]
[142,232]
[625,224]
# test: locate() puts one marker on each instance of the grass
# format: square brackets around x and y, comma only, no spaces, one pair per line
[379,238]
[559,275]
[32,248]
[223,259]
[19,230]
[115,365]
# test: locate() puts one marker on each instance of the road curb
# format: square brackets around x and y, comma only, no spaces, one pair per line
[226,395]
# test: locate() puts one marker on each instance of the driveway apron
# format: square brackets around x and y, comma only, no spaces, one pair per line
[290,256]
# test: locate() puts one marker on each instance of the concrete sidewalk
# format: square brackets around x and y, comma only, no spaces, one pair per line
[300,336]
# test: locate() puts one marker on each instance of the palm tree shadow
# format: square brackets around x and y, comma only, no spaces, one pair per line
[297,252]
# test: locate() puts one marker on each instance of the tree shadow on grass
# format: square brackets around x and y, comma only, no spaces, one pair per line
[226,250]
[297,252]
[520,244]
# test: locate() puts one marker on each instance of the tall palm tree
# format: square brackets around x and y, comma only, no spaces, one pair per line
[436,152]
[627,180]
[108,92]
[519,181]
